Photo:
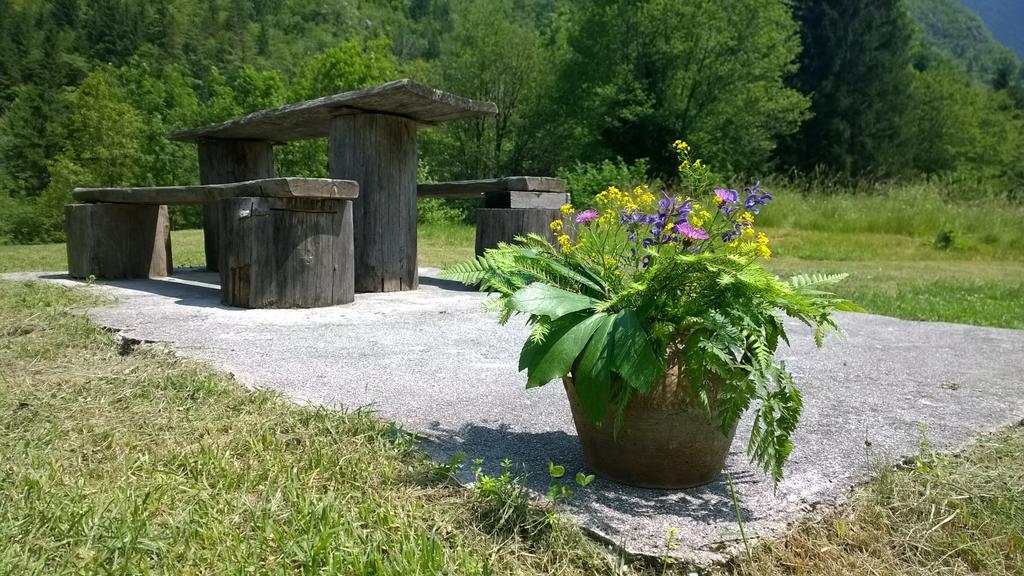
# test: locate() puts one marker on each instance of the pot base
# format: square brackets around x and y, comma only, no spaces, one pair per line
[656,446]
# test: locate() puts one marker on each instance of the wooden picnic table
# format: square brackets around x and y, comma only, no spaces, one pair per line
[372,135]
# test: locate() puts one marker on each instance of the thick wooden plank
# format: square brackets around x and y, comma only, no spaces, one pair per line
[379,152]
[224,162]
[494,225]
[312,118]
[114,241]
[205,194]
[286,252]
[478,188]
[519,199]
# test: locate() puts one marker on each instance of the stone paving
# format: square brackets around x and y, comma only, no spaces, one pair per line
[436,363]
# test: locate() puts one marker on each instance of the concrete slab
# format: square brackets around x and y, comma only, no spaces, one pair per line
[434,361]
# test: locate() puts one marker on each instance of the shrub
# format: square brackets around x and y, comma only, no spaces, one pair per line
[585,181]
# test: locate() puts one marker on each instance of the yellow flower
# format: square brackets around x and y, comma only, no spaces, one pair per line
[748,231]
[762,246]
[696,220]
[565,242]
[567,209]
[746,218]
[556,226]
[704,215]
[696,163]
[680,146]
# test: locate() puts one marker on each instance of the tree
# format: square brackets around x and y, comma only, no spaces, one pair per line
[855,65]
[643,73]
[964,131]
[491,54]
[102,138]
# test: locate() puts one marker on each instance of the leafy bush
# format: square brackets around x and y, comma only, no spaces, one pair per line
[585,181]
[444,211]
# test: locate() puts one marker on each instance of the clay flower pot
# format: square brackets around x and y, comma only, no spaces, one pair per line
[666,439]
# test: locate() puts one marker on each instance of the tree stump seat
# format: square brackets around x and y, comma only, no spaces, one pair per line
[282,242]
[513,206]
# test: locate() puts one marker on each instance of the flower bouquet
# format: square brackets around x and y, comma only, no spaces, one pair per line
[656,312]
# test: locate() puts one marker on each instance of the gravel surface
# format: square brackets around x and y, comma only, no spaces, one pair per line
[439,365]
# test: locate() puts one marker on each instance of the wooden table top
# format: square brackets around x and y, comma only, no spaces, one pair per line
[312,118]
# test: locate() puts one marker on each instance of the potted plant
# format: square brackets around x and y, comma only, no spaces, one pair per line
[657,314]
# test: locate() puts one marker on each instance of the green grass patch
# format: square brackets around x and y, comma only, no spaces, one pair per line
[988,227]
[186,249]
[439,245]
[148,463]
[908,278]
[442,245]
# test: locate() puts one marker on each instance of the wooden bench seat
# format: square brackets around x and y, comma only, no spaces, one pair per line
[513,206]
[283,242]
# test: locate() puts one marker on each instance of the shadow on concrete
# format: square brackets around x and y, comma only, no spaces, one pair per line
[445,284]
[531,452]
[186,287]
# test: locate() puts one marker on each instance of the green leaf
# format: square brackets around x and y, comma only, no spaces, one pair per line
[632,356]
[544,300]
[592,375]
[555,356]
[555,471]
[584,479]
[846,306]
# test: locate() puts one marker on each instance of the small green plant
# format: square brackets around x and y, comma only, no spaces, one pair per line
[946,239]
[448,471]
[503,503]
[90,279]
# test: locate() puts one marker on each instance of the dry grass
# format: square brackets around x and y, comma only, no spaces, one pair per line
[943,515]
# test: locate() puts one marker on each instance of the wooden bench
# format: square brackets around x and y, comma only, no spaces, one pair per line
[282,242]
[513,206]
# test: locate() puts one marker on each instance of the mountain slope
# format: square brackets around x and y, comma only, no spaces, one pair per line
[951,27]
[1005,18]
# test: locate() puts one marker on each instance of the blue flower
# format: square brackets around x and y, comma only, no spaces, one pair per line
[755,200]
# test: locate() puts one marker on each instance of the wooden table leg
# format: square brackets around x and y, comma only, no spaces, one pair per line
[224,162]
[379,152]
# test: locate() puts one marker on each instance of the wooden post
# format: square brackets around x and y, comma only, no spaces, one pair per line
[495,225]
[286,252]
[379,152]
[223,162]
[114,241]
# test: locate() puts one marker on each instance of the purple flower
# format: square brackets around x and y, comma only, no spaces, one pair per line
[727,196]
[730,235]
[587,216]
[755,199]
[690,232]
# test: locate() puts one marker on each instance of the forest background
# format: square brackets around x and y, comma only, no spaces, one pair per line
[854,97]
